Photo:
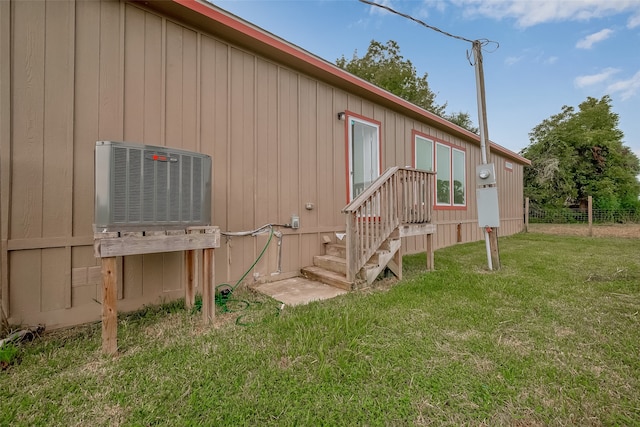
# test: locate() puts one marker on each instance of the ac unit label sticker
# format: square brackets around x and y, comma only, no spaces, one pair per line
[160,157]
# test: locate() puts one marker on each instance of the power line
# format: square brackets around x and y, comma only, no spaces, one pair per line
[482,42]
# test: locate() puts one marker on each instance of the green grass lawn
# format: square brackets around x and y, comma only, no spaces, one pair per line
[553,338]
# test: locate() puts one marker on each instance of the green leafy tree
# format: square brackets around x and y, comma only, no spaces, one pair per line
[463,120]
[576,154]
[385,67]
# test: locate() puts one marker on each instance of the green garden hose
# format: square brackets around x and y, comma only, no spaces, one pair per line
[224,291]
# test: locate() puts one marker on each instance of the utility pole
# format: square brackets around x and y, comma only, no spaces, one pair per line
[486,191]
[490,233]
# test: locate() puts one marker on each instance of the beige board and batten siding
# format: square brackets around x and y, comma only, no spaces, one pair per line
[79,72]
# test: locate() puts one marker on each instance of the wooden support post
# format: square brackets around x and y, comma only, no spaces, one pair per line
[109,309]
[352,249]
[4,322]
[430,262]
[189,267]
[493,244]
[526,215]
[208,285]
[109,245]
[590,207]
[396,263]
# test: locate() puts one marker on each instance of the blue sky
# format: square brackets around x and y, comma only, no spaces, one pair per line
[551,52]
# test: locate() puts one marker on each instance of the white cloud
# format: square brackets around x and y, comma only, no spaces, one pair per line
[591,39]
[590,80]
[531,55]
[439,5]
[634,21]
[513,60]
[375,10]
[529,13]
[627,88]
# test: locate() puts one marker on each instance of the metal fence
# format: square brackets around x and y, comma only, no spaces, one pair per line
[581,215]
[578,216]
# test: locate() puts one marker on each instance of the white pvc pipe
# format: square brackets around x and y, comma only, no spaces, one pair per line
[488,246]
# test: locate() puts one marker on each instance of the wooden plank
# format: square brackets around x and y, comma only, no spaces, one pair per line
[430,251]
[208,304]
[79,276]
[122,246]
[58,131]
[308,166]
[152,275]
[190,273]
[369,191]
[134,70]
[267,149]
[174,84]
[53,283]
[27,98]
[57,165]
[198,100]
[417,229]
[111,87]
[133,267]
[25,276]
[396,263]
[5,148]
[241,188]
[172,272]
[87,72]
[153,78]
[493,244]
[120,277]
[352,248]
[190,90]
[109,308]
[48,242]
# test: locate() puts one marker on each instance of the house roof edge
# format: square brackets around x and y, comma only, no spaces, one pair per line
[248,34]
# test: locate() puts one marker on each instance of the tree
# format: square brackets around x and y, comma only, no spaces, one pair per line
[385,67]
[463,120]
[576,154]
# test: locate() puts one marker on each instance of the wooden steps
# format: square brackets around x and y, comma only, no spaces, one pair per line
[331,268]
[331,263]
[336,249]
[329,277]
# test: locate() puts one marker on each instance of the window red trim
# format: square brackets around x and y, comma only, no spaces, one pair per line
[451,206]
[437,141]
[414,133]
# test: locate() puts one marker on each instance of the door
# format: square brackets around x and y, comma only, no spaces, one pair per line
[364,155]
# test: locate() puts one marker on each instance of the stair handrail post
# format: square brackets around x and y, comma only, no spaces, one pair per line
[351,248]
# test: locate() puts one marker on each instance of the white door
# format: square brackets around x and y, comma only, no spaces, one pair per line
[364,155]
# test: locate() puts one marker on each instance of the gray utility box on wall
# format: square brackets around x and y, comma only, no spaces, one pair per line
[144,187]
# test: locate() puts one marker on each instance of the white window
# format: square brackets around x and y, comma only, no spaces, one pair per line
[423,153]
[459,178]
[451,188]
[443,174]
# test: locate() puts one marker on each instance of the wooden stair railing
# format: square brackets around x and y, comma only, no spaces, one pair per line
[399,196]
